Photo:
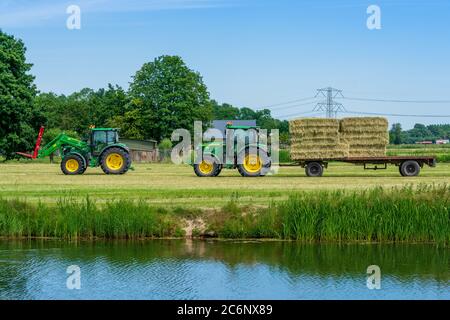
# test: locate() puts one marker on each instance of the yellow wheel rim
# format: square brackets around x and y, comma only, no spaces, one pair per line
[72,165]
[114,161]
[206,167]
[252,163]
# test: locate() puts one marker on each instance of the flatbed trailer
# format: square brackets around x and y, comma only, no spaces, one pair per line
[409,166]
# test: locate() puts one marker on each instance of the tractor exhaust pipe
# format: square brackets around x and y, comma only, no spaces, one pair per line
[36,147]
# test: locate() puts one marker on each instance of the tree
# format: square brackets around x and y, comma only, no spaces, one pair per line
[396,133]
[224,111]
[81,109]
[19,117]
[169,96]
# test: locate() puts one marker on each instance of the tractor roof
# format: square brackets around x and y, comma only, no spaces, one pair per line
[105,129]
[229,126]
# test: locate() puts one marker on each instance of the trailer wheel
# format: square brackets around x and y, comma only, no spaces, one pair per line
[209,167]
[73,165]
[410,168]
[314,169]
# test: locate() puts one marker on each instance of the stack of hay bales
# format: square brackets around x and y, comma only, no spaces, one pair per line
[316,139]
[366,137]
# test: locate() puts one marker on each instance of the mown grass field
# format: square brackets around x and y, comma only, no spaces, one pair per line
[177,186]
[442,152]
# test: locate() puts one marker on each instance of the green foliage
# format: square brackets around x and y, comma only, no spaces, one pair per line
[165,144]
[19,117]
[79,110]
[52,133]
[395,134]
[168,96]
[396,215]
[131,124]
[419,133]
[73,220]
[284,156]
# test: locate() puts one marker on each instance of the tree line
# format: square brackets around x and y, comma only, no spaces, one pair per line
[419,133]
[164,95]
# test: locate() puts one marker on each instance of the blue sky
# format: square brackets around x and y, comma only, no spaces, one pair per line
[252,53]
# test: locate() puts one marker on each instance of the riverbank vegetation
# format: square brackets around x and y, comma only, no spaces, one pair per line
[406,214]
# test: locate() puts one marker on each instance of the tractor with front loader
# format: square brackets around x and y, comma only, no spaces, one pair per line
[102,148]
[250,157]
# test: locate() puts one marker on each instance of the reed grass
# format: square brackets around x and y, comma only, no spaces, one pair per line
[73,220]
[380,215]
[409,214]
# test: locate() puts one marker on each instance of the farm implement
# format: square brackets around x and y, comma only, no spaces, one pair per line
[102,148]
[312,153]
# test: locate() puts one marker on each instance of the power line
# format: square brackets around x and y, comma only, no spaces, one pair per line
[287,102]
[330,106]
[399,115]
[311,113]
[293,106]
[397,101]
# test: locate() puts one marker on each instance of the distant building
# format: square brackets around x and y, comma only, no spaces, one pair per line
[442,141]
[142,150]
[424,142]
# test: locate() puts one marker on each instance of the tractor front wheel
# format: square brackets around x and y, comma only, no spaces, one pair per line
[209,167]
[73,165]
[115,161]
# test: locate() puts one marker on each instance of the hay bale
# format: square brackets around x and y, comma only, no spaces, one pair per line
[306,123]
[313,138]
[366,136]
[339,150]
[373,152]
[349,124]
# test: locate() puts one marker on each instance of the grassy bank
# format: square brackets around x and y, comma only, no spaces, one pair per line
[399,214]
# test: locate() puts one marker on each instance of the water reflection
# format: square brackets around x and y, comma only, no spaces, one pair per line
[179,269]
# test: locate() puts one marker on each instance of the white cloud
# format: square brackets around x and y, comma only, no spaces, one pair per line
[21,13]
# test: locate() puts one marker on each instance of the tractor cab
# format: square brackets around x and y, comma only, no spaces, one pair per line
[251,134]
[101,138]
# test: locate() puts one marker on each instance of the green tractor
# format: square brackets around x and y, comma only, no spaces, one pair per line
[251,158]
[102,148]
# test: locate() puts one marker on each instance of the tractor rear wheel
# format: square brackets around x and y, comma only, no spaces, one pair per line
[209,167]
[115,161]
[254,165]
[73,164]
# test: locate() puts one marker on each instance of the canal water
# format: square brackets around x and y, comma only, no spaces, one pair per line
[183,269]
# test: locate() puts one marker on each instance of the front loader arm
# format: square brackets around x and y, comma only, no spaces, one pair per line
[62,140]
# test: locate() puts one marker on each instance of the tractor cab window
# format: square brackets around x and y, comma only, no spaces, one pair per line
[111,137]
[99,141]
[99,137]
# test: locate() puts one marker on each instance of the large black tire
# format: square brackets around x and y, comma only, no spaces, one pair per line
[73,164]
[410,168]
[115,161]
[314,169]
[209,167]
[260,170]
